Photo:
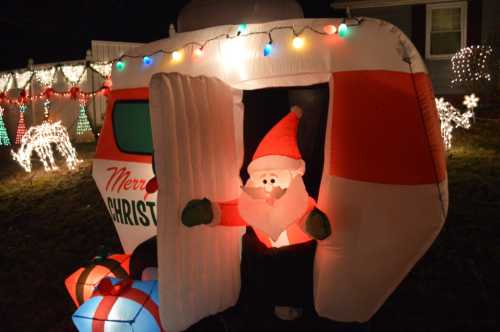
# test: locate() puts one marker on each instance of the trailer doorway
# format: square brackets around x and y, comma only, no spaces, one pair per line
[265,107]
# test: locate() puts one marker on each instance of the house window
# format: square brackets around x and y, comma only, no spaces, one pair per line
[446,29]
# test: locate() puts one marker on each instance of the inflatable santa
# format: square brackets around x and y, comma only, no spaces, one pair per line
[274,201]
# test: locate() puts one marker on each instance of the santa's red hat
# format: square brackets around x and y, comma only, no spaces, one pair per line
[279,149]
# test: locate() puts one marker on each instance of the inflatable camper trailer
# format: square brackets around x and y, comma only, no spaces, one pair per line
[190,98]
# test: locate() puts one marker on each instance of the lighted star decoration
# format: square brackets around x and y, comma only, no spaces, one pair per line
[40,139]
[471,101]
[451,118]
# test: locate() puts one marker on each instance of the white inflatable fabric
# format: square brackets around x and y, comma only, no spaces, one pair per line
[197,136]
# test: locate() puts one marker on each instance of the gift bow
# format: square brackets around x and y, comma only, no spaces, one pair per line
[106,287]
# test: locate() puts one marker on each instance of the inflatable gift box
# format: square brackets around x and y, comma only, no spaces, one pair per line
[120,305]
[81,283]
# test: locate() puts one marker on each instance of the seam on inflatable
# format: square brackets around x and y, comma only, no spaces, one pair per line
[422,118]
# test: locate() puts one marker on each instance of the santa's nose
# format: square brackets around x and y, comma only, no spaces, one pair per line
[268,187]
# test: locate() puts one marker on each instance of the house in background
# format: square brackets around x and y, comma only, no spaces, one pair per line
[63,108]
[438,28]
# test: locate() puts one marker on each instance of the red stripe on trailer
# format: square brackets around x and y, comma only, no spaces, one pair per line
[407,149]
[106,147]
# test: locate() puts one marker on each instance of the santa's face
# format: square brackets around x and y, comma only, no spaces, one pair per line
[268,185]
[272,200]
[271,179]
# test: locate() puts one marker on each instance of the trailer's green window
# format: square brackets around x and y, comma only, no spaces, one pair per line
[132,126]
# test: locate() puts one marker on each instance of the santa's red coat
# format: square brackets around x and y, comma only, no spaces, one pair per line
[230,216]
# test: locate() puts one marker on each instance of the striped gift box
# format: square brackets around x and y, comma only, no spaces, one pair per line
[81,283]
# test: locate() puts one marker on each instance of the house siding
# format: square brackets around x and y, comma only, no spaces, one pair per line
[400,16]
[491,23]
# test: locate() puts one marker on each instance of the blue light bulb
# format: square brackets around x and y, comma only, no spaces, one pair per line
[147,60]
[268,49]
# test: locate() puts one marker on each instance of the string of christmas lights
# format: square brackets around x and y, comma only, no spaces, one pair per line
[6,82]
[49,92]
[103,68]
[74,74]
[46,76]
[471,64]
[39,139]
[197,48]
[4,136]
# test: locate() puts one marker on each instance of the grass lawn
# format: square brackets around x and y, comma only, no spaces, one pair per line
[51,223]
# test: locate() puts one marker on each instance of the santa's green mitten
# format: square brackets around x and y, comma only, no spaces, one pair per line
[317,225]
[197,212]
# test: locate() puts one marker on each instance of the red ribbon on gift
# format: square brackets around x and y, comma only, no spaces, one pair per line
[120,290]
[106,287]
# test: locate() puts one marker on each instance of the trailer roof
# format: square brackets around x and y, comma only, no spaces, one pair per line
[238,58]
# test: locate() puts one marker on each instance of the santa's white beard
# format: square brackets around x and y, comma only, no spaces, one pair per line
[274,219]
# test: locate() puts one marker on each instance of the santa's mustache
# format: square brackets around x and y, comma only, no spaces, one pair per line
[261,193]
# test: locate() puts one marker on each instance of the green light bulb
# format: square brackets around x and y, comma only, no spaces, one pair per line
[120,65]
[343,30]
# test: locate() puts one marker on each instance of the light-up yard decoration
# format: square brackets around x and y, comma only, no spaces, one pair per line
[452,118]
[21,125]
[470,101]
[471,65]
[40,139]
[4,136]
[83,129]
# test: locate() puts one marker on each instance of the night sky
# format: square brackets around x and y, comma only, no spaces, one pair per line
[52,31]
